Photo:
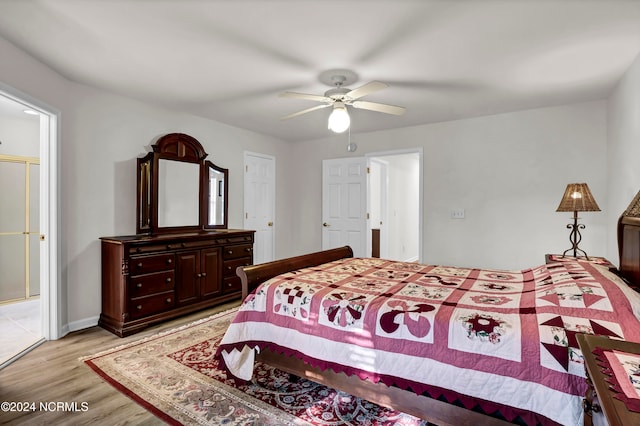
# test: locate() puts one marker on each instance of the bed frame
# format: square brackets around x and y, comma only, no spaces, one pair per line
[432,410]
[629,243]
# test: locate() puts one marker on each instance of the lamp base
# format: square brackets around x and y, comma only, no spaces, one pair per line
[575,237]
[575,253]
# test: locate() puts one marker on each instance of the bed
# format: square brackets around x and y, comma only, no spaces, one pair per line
[454,346]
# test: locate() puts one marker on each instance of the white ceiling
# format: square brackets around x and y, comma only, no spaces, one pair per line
[229,59]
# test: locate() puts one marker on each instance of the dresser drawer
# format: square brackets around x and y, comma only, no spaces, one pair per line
[146,264]
[241,250]
[155,248]
[231,284]
[144,285]
[144,306]
[229,267]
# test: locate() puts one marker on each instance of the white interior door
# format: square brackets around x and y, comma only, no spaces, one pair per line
[344,203]
[259,204]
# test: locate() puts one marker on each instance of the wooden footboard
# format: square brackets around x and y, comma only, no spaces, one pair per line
[432,410]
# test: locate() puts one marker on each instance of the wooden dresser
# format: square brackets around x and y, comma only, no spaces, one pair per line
[147,279]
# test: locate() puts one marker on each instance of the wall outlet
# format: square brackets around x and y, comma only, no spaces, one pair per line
[457,213]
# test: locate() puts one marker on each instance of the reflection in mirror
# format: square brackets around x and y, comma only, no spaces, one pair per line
[216,197]
[144,194]
[178,193]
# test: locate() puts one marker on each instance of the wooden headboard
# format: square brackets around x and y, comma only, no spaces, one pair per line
[252,276]
[629,242]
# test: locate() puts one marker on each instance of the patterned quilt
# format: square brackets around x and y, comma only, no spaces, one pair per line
[503,339]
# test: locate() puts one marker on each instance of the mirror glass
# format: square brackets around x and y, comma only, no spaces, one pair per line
[178,193]
[217,183]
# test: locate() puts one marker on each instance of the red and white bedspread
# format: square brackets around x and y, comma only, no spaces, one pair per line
[505,339]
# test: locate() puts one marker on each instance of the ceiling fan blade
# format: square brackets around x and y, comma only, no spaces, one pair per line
[304,111]
[372,86]
[307,96]
[374,106]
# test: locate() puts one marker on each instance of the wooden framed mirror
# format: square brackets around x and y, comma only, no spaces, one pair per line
[178,189]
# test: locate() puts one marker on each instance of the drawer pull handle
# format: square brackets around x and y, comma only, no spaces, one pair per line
[230,285]
[168,246]
[139,265]
[229,268]
[139,307]
[169,261]
[168,280]
[229,251]
[168,300]
[248,249]
[139,285]
[204,274]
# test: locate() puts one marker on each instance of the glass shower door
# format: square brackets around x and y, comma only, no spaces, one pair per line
[19,234]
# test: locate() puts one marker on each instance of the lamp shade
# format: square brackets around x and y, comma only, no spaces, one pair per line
[578,198]
[339,119]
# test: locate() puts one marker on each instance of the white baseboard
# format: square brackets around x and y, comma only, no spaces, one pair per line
[82,324]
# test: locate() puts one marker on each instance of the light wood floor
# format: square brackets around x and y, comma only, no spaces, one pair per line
[53,373]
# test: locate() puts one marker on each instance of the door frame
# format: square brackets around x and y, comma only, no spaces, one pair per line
[50,279]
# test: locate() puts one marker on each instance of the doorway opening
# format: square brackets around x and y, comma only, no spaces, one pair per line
[395,205]
[28,287]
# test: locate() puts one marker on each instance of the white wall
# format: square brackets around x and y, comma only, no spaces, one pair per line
[507,171]
[102,135]
[20,136]
[623,165]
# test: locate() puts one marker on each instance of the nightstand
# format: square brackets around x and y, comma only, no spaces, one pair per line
[613,409]
[551,258]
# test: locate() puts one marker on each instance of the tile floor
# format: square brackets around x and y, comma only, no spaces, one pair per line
[19,328]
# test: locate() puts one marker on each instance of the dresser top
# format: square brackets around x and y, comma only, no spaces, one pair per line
[168,236]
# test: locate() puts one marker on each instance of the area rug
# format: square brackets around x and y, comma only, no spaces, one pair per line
[174,375]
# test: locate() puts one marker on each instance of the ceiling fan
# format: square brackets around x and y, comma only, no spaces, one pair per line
[340,96]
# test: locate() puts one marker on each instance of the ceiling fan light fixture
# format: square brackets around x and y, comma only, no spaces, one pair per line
[339,119]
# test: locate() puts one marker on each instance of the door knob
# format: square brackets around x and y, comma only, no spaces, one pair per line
[270,224]
[326,225]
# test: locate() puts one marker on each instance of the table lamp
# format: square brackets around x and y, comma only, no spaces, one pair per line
[577,198]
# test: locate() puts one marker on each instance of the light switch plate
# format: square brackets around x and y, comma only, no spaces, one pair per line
[457,213]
